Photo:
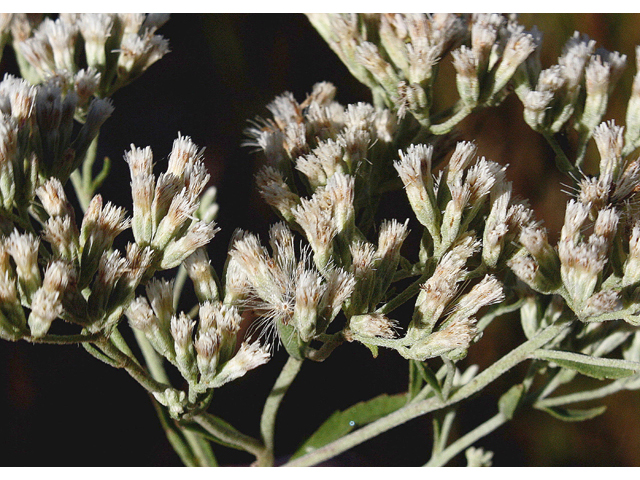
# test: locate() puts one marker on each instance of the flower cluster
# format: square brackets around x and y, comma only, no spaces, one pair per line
[205,352]
[339,154]
[37,138]
[478,251]
[86,281]
[457,201]
[579,85]
[164,210]
[93,54]
[596,273]
[397,55]
[290,294]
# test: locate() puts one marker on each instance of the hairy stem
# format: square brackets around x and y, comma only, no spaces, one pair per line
[414,410]
[188,445]
[443,457]
[132,367]
[175,436]
[270,410]
[234,438]
[441,428]
[460,114]
[201,449]
[404,296]
[600,392]
[152,359]
[65,339]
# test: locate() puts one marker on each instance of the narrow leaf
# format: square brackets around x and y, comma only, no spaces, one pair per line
[341,423]
[415,380]
[430,377]
[510,400]
[595,367]
[574,415]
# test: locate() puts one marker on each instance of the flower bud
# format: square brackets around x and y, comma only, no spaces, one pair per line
[24,248]
[96,29]
[248,357]
[373,325]
[173,399]
[182,332]
[207,349]
[466,64]
[141,317]
[414,169]
[202,275]
[456,336]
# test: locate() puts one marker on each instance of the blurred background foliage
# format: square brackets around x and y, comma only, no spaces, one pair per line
[61,407]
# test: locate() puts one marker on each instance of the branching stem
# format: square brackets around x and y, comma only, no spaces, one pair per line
[414,410]
[234,438]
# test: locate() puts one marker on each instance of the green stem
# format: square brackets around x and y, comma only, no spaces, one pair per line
[321,354]
[582,148]
[448,381]
[76,180]
[234,438]
[201,449]
[87,166]
[65,339]
[270,409]
[118,340]
[496,312]
[188,445]
[601,392]
[152,360]
[553,383]
[83,182]
[131,367]
[562,161]
[445,127]
[466,441]
[404,296]
[442,428]
[178,286]
[97,353]
[175,437]
[416,409]
[510,360]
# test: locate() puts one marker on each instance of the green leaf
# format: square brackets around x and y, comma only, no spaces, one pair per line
[341,423]
[289,337]
[415,380]
[430,377]
[510,400]
[595,367]
[574,415]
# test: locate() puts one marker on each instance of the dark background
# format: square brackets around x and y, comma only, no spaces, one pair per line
[59,406]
